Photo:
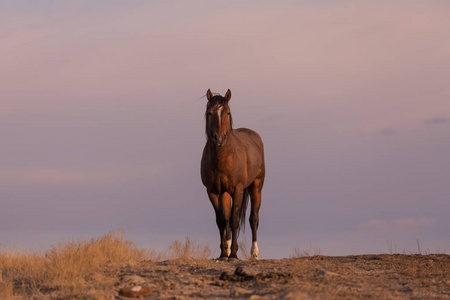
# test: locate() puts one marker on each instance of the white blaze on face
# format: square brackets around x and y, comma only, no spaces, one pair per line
[219,114]
[229,247]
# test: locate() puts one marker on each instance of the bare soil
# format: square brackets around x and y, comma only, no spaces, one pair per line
[316,277]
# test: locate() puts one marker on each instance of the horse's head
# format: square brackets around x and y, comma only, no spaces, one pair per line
[218,118]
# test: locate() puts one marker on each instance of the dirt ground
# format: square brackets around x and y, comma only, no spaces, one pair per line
[317,277]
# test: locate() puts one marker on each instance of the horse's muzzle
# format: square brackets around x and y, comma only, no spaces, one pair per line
[220,139]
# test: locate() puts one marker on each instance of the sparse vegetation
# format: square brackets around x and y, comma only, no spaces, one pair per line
[70,269]
[188,250]
[307,252]
[244,250]
[98,268]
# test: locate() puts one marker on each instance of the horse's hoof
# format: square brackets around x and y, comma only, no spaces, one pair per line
[254,257]
[233,259]
[223,258]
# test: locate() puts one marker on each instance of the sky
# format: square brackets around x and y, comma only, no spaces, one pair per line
[102,127]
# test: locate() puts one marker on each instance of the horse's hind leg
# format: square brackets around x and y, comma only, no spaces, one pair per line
[255,198]
[228,235]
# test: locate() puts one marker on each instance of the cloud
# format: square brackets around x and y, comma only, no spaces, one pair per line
[403,224]
[386,131]
[104,101]
[52,177]
[83,176]
[437,120]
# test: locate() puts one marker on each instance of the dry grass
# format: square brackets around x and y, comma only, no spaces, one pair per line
[244,251]
[70,270]
[82,269]
[187,251]
[306,252]
[98,268]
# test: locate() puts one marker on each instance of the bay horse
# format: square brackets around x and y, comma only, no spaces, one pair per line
[232,168]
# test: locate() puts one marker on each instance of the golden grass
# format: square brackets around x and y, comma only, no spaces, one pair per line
[244,252]
[81,269]
[95,269]
[70,270]
[189,250]
[306,252]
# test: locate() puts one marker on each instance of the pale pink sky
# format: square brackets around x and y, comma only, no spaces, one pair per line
[101,121]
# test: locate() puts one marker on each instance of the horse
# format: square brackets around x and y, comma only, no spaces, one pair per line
[232,168]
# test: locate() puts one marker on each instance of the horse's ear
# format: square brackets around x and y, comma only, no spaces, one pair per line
[209,95]
[228,95]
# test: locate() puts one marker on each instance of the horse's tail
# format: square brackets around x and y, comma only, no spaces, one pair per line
[243,210]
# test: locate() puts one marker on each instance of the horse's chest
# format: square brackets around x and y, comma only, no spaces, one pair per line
[223,175]
[224,184]
[225,181]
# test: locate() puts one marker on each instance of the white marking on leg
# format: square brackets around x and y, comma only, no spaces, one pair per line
[229,247]
[254,251]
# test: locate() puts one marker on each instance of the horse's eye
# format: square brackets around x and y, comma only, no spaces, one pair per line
[229,114]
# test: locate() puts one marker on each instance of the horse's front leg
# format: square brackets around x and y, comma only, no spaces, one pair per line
[225,208]
[235,218]
[222,208]
[222,224]
[214,198]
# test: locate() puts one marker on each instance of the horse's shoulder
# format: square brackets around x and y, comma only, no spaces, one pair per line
[205,162]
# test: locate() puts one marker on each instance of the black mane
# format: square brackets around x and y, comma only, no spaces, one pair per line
[216,99]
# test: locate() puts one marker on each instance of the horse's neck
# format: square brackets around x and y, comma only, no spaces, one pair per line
[226,151]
